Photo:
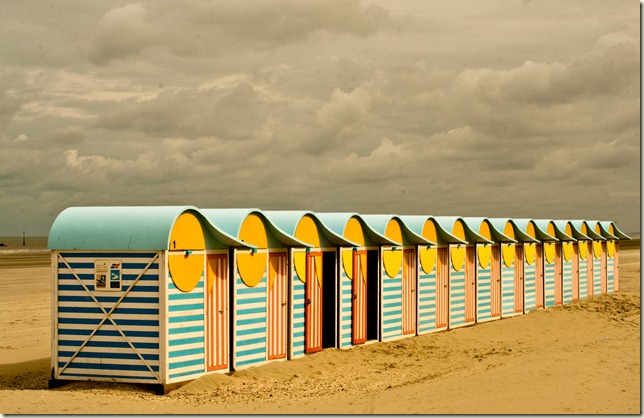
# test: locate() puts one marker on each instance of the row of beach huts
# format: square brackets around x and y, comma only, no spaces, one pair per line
[163,295]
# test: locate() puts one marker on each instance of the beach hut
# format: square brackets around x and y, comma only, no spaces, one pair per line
[557,261]
[359,279]
[536,263]
[433,279]
[462,273]
[315,281]
[609,255]
[133,293]
[399,278]
[260,292]
[488,269]
[586,259]
[519,291]
[579,276]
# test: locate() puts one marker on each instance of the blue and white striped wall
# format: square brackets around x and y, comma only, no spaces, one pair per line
[484,293]
[106,354]
[548,283]
[529,286]
[345,307]
[597,275]
[186,339]
[298,315]
[456,296]
[507,289]
[566,276]
[427,301]
[250,319]
[391,305]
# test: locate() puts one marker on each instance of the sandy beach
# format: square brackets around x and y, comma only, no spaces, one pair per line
[582,358]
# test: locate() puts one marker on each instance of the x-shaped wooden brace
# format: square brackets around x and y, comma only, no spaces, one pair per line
[108,315]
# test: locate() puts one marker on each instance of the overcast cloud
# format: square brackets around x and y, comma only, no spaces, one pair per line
[497,108]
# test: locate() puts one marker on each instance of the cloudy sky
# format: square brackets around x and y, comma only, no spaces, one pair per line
[497,108]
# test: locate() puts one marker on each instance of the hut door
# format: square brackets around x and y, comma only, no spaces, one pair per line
[359,298]
[604,272]
[217,312]
[558,275]
[277,306]
[495,271]
[409,292]
[313,304]
[442,295]
[575,270]
[539,274]
[518,279]
[470,284]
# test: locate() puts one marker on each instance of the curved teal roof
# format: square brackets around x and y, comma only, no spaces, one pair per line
[379,223]
[541,234]
[337,221]
[230,220]
[606,226]
[603,229]
[590,233]
[287,220]
[576,233]
[472,237]
[124,228]
[519,233]
[497,235]
[559,233]
[416,223]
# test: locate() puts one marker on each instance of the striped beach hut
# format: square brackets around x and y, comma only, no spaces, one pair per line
[434,273]
[260,286]
[535,262]
[135,297]
[519,290]
[609,255]
[558,261]
[399,278]
[462,274]
[579,276]
[586,259]
[359,291]
[488,269]
[314,284]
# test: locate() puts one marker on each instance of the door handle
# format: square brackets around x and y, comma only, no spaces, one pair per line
[308,301]
[283,304]
[355,296]
[221,311]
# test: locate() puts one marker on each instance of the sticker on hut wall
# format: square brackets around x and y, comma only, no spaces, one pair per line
[392,259]
[107,275]
[583,250]
[597,249]
[611,249]
[299,259]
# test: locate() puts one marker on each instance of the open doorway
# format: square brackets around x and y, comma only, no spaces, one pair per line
[329,300]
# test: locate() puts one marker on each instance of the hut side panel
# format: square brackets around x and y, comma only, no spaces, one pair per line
[583,276]
[426,301]
[530,286]
[597,276]
[507,288]
[89,345]
[298,291]
[346,290]
[610,274]
[250,344]
[567,268]
[484,283]
[185,331]
[391,305]
[549,283]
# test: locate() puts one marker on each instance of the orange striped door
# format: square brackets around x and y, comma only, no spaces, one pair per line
[519,267]
[277,306]
[442,280]
[359,300]
[313,305]
[558,275]
[539,273]
[217,312]
[495,271]
[470,284]
[409,292]
[575,270]
[604,271]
